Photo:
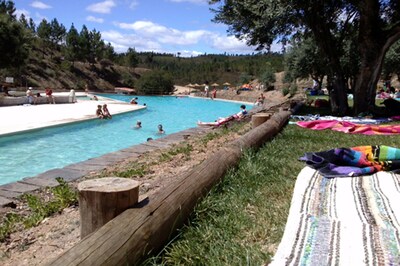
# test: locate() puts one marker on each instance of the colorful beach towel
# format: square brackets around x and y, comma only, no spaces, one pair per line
[348,127]
[342,221]
[356,161]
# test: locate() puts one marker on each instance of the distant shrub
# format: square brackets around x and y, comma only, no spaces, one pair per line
[155,82]
[50,72]
[285,91]
[66,65]
[32,83]
[244,78]
[58,59]
[293,89]
[106,63]
[128,80]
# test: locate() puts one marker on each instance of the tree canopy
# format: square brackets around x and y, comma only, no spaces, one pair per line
[371,25]
[14,40]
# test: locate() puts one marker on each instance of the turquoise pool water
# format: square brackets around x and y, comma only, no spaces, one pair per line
[28,154]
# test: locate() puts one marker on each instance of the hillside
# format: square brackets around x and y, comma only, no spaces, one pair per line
[51,70]
[48,67]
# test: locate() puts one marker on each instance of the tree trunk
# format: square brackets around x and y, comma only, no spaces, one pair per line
[337,95]
[365,88]
[374,43]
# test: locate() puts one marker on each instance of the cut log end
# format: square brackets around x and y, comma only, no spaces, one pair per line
[100,200]
[258,119]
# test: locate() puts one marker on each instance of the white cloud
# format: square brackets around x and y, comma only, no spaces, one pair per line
[40,5]
[230,44]
[150,36]
[39,18]
[121,42]
[191,1]
[133,4]
[102,7]
[186,53]
[19,12]
[164,34]
[94,19]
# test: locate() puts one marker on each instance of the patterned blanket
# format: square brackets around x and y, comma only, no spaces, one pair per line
[354,161]
[342,221]
[348,127]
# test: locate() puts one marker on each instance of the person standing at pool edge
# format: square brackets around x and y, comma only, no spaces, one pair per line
[49,95]
[206,90]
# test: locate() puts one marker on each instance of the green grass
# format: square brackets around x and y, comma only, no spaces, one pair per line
[132,170]
[62,196]
[242,219]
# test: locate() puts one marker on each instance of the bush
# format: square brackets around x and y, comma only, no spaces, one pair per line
[155,82]
[128,80]
[293,89]
[285,91]
[106,63]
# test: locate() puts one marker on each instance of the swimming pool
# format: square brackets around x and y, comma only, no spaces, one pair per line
[34,152]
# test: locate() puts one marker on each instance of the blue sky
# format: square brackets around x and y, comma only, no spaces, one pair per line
[147,25]
[171,26]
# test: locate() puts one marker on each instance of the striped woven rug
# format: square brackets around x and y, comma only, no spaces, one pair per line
[342,221]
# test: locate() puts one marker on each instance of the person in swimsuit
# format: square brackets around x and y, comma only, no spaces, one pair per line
[99,112]
[106,113]
[223,120]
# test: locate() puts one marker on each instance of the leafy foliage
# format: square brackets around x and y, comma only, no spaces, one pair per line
[14,42]
[155,82]
[392,61]
[338,27]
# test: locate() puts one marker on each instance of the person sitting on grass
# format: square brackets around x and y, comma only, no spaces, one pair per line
[99,112]
[106,113]
[223,120]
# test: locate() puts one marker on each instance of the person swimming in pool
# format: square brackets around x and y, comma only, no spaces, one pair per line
[160,129]
[138,124]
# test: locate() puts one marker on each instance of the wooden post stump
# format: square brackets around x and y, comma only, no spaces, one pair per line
[100,200]
[258,119]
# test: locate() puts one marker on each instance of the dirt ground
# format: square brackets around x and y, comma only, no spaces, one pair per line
[58,233]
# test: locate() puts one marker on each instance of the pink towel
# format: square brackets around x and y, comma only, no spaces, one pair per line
[348,127]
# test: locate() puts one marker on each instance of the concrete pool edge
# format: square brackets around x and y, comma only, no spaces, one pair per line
[22,119]
[11,191]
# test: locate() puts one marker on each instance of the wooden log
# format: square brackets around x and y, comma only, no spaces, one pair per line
[258,119]
[130,236]
[102,199]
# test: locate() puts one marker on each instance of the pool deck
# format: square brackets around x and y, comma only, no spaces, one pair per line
[21,118]
[17,119]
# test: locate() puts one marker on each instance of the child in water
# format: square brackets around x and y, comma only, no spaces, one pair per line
[160,129]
